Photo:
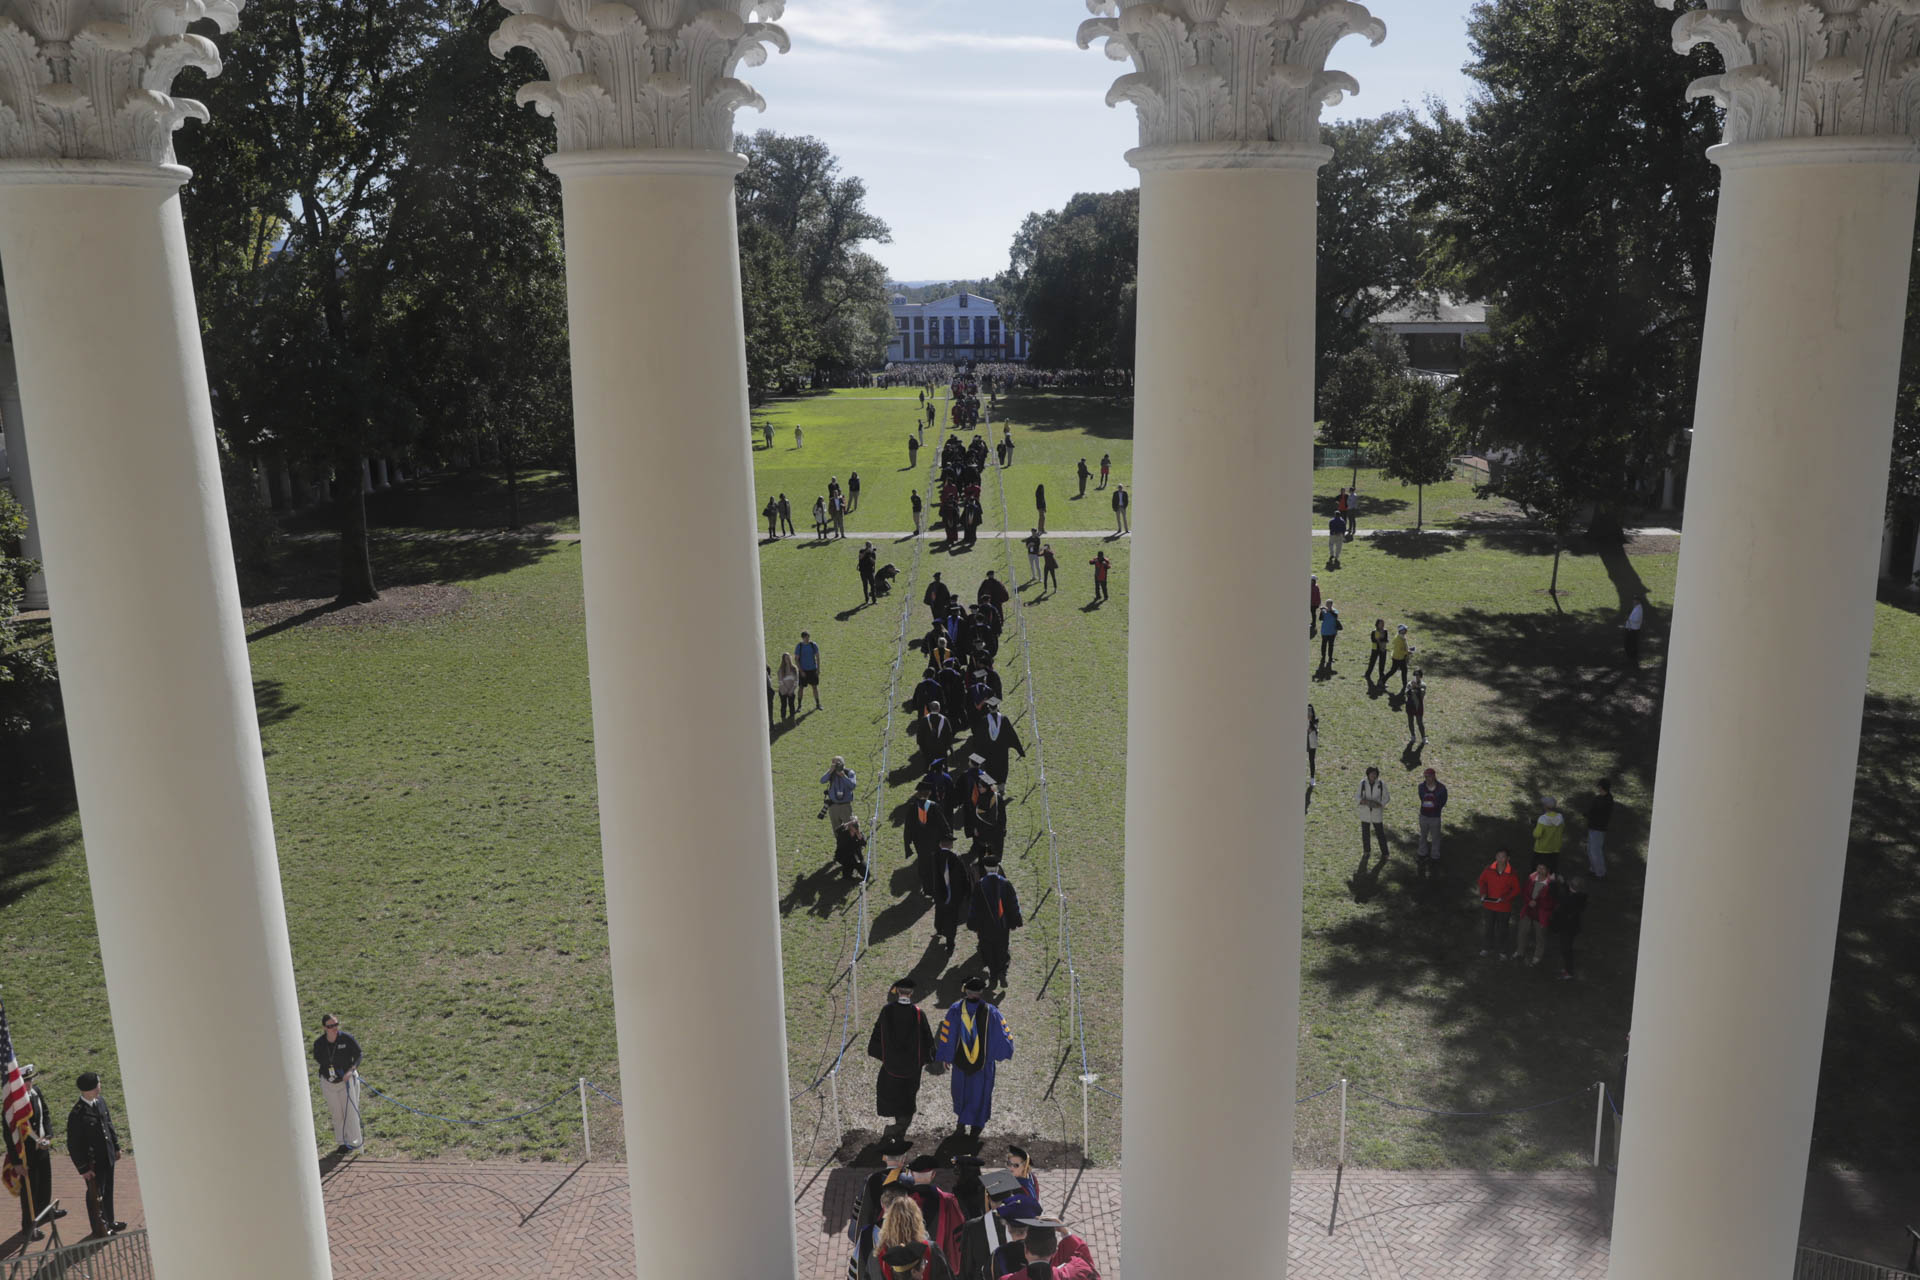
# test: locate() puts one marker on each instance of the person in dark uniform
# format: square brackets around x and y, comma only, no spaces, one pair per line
[987,825]
[36,1192]
[936,597]
[993,916]
[902,1042]
[337,1056]
[867,561]
[995,739]
[927,691]
[934,731]
[952,892]
[94,1144]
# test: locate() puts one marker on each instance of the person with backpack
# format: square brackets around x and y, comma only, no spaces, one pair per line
[1330,626]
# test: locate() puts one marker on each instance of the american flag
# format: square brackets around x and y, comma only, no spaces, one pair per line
[16,1111]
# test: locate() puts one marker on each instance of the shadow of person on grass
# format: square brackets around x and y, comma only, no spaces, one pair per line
[820,890]
[902,915]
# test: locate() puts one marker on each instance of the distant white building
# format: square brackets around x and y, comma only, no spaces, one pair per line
[1435,330]
[961,326]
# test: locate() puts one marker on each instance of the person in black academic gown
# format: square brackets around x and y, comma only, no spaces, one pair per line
[995,740]
[993,915]
[927,825]
[953,893]
[987,824]
[902,1042]
[934,731]
[985,1233]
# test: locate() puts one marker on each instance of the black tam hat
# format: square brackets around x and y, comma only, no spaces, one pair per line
[974,985]
[924,1164]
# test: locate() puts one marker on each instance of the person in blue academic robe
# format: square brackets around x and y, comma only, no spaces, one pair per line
[973,1038]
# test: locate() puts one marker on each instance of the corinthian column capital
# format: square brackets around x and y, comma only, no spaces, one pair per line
[1238,72]
[1808,68]
[642,74]
[92,79]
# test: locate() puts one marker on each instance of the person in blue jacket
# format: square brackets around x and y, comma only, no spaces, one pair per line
[972,1039]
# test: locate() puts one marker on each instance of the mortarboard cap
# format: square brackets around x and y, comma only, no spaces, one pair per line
[923,1164]
[905,1255]
[1001,1184]
[1018,1207]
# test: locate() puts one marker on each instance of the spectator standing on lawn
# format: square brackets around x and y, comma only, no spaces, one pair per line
[1353,512]
[1599,818]
[1006,443]
[1114,502]
[1033,556]
[772,513]
[807,655]
[798,438]
[1569,911]
[1373,812]
[1631,628]
[868,561]
[853,491]
[1330,625]
[1536,914]
[1100,565]
[1313,745]
[1106,461]
[1336,538]
[841,783]
[1433,801]
[838,506]
[913,452]
[786,515]
[1548,830]
[1050,568]
[1401,652]
[1040,505]
[1084,473]
[820,524]
[1313,603]
[1126,508]
[1415,702]
[918,512]
[1499,887]
[1377,640]
[789,687]
[337,1054]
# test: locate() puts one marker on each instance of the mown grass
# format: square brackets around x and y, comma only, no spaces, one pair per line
[433,796]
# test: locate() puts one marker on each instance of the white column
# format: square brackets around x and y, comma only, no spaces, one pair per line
[153,660]
[20,476]
[380,478]
[1799,365]
[686,802]
[1223,422]
[366,476]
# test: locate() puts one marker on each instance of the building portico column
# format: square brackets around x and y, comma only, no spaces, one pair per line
[1229,103]
[644,103]
[146,616]
[1798,369]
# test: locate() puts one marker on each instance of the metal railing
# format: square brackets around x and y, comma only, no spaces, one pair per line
[120,1257]
[1813,1264]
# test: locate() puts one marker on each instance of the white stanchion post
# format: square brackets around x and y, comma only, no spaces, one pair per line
[1086,1116]
[1599,1119]
[586,1125]
[1343,1122]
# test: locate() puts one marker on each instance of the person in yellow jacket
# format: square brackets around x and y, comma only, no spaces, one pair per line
[1548,828]
[1399,651]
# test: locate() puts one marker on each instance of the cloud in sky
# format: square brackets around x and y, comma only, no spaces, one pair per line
[964,116]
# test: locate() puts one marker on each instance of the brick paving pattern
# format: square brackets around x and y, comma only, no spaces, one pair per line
[506,1220]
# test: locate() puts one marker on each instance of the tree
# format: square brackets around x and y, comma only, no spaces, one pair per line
[1420,442]
[1362,390]
[27,679]
[1371,246]
[1541,488]
[1071,280]
[779,332]
[1576,196]
[792,189]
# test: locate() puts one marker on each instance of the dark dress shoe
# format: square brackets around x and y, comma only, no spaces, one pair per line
[118,1226]
[58,1213]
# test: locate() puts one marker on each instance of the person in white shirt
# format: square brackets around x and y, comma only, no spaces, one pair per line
[1631,628]
[1373,811]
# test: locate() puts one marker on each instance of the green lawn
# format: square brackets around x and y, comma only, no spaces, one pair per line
[433,795]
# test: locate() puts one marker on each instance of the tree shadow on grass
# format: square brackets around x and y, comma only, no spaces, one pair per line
[30,843]
[1409,545]
[270,702]
[1104,417]
[1324,506]
[310,570]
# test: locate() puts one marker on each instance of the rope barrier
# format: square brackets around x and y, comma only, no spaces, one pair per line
[1512,1111]
[518,1115]
[1318,1093]
[603,1093]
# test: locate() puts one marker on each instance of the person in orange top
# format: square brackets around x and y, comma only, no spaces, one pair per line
[1499,888]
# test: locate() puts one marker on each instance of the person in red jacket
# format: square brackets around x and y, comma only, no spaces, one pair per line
[1536,913]
[1499,888]
[938,1207]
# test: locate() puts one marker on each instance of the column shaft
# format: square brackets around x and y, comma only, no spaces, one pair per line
[1760,731]
[674,633]
[160,716]
[1222,442]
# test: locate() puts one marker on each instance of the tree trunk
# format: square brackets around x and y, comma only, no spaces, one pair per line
[511,457]
[1419,506]
[1553,588]
[356,562]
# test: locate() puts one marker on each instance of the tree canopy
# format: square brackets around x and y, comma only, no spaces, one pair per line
[1070,281]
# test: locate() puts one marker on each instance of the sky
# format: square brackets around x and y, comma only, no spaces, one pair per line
[964,116]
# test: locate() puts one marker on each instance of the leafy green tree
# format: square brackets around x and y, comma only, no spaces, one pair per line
[1371,245]
[1545,488]
[1070,283]
[1362,391]
[779,332]
[1575,194]
[792,188]
[1419,441]
[27,679]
